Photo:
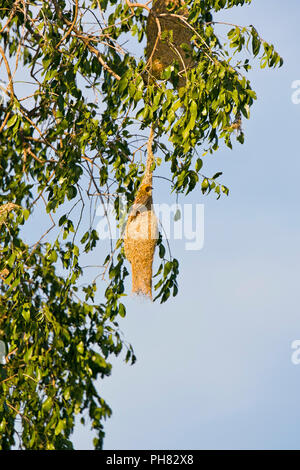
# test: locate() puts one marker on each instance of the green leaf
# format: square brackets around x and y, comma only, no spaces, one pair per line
[72,192]
[59,427]
[162,251]
[167,268]
[204,185]
[26,312]
[26,213]
[199,164]
[12,121]
[255,45]
[47,405]
[122,310]
[193,112]
[80,347]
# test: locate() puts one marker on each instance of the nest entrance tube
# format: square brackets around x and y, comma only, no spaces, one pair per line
[141,233]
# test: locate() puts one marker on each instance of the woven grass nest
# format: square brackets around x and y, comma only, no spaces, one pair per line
[139,242]
[141,233]
[161,53]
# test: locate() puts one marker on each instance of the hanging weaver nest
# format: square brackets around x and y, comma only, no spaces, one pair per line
[165,36]
[141,232]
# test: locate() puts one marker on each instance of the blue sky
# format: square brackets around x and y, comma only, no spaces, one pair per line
[214,366]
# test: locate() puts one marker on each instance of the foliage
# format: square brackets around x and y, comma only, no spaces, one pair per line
[71,143]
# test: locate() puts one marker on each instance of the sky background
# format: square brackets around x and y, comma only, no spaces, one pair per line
[214,367]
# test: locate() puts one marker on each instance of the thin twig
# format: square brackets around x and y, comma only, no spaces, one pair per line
[18,412]
[71,27]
